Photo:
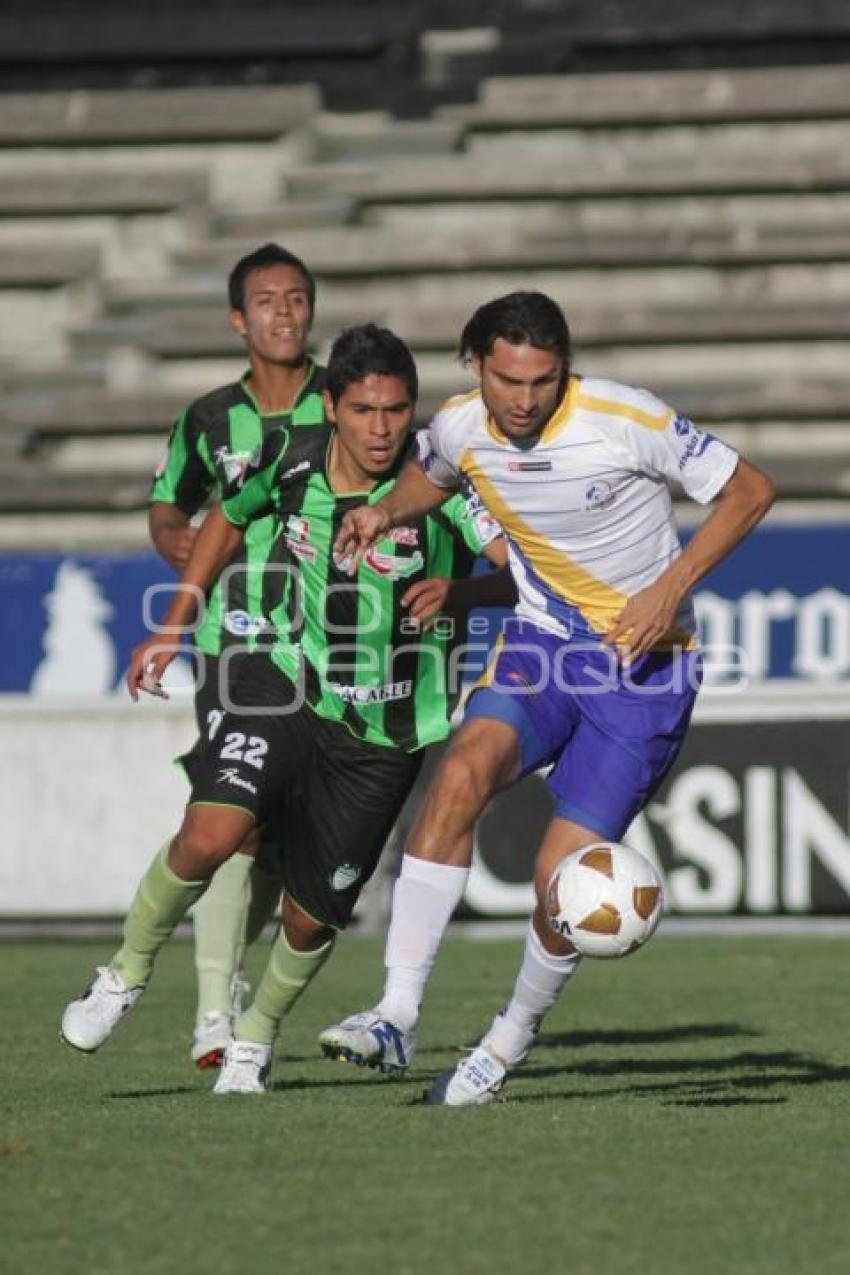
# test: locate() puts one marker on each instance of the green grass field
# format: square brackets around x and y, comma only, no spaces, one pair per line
[687,1110]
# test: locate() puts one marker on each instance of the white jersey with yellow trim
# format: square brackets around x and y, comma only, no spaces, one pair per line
[586,507]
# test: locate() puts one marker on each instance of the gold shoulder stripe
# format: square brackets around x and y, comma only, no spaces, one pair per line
[458,400]
[563,412]
[610,407]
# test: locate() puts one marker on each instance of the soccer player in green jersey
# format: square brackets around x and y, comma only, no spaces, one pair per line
[330,743]
[272,297]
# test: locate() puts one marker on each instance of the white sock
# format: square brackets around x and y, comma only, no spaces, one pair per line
[425,896]
[538,986]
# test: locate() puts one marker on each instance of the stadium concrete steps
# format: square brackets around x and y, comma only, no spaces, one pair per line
[695,225]
[636,99]
[90,117]
[29,489]
[45,263]
[795,166]
[78,189]
[367,251]
[203,331]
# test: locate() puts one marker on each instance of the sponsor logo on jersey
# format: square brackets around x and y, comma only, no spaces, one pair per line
[230,775]
[403,536]
[236,464]
[344,876]
[392,566]
[242,624]
[599,495]
[298,528]
[428,460]
[296,469]
[297,537]
[371,694]
[697,443]
[529,466]
[486,527]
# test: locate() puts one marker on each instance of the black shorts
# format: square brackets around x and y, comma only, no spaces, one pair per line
[210,698]
[332,798]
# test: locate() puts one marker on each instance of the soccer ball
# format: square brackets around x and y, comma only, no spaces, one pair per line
[606,899]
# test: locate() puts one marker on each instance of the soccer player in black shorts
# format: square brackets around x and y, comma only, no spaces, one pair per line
[327,726]
[272,297]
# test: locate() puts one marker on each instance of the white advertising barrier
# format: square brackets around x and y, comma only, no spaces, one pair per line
[753,819]
[88,794]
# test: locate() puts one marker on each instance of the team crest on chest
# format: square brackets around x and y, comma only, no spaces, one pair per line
[599,495]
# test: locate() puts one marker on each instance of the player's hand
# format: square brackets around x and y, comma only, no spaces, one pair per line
[427,599]
[359,529]
[148,662]
[644,620]
[176,545]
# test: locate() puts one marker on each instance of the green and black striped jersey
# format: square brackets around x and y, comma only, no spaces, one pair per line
[364,662]
[210,448]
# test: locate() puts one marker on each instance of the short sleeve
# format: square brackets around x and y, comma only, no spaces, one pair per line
[471,521]
[183,478]
[678,451]
[434,457]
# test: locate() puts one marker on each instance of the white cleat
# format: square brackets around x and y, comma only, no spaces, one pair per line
[92,1019]
[212,1035]
[476,1079]
[245,1069]
[369,1041]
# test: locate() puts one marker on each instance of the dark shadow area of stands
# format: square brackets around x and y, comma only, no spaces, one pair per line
[376,54]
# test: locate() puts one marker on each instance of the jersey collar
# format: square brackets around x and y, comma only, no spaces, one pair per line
[553,426]
[304,389]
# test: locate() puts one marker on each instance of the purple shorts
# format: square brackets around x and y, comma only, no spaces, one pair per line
[610,734]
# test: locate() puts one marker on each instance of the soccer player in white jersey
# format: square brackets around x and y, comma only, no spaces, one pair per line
[595,673]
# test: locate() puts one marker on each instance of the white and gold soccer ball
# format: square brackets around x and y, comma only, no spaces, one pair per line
[606,899]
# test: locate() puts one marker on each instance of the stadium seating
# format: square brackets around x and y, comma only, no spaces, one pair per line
[695,223]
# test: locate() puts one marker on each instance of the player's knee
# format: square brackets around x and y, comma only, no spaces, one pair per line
[466,779]
[303,933]
[205,841]
[455,781]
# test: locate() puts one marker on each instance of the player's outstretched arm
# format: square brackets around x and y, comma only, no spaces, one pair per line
[413,495]
[739,506]
[217,542]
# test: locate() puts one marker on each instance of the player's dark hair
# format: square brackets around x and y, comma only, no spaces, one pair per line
[520,318]
[366,349]
[270,254]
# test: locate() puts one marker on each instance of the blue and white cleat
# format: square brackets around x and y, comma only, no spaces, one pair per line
[369,1041]
[476,1079]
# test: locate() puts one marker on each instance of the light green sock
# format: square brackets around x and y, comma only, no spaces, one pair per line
[219,920]
[162,900]
[285,978]
[266,889]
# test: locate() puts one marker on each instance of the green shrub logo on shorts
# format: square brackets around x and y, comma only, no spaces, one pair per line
[344,876]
